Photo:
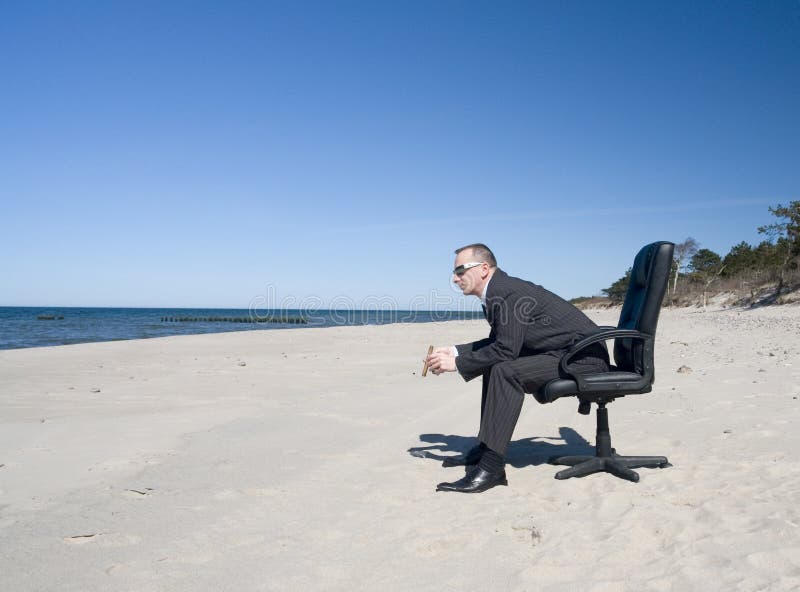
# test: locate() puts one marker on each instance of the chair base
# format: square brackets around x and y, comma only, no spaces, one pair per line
[606,459]
[617,465]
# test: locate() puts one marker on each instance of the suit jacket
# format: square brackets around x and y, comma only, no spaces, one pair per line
[526,320]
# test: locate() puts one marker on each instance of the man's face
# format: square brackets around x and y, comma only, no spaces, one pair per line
[470,278]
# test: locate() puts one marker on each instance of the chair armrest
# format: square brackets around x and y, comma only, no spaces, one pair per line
[604,334]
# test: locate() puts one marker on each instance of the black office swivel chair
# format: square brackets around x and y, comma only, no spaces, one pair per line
[633,374]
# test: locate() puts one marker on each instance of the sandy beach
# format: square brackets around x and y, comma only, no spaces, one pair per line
[307,459]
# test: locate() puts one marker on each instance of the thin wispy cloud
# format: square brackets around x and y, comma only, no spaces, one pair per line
[561,213]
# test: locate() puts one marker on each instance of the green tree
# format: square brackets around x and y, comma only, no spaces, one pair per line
[616,292]
[705,267]
[740,258]
[705,262]
[769,255]
[786,236]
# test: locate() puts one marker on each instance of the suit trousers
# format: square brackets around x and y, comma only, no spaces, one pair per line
[505,385]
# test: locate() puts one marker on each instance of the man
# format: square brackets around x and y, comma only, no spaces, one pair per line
[530,330]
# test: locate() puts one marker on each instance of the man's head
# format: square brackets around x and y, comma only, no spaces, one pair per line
[473,268]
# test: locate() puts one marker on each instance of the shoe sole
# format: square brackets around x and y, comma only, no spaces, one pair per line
[503,482]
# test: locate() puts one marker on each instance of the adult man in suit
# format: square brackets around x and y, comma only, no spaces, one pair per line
[530,330]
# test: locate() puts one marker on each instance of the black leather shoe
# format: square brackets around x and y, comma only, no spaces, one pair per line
[476,481]
[472,457]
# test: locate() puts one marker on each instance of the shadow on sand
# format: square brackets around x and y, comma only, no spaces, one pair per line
[521,453]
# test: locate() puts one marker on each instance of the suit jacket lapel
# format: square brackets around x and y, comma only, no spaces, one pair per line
[488,308]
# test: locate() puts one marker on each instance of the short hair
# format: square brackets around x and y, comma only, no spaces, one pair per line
[481,252]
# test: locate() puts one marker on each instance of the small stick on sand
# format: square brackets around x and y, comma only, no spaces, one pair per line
[425,367]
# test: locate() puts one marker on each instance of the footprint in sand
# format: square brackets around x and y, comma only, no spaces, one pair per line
[138,493]
[104,539]
[784,560]
[527,534]
[80,539]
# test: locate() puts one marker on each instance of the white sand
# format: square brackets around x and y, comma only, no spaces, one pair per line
[188,471]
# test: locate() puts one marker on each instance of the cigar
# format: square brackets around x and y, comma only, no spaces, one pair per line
[425,367]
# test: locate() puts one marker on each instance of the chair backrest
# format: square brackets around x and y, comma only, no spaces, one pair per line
[649,279]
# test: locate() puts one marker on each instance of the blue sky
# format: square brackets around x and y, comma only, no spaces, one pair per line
[207,153]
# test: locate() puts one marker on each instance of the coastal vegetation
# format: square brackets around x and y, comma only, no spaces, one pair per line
[747,275]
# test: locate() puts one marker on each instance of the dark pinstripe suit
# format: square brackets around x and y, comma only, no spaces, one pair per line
[531,328]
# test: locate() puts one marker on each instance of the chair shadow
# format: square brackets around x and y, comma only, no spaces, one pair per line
[521,453]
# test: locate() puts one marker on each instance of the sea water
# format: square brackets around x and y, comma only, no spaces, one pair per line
[22,327]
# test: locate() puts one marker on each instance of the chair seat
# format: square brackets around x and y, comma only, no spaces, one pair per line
[565,387]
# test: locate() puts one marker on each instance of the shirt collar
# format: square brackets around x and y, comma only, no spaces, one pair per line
[483,296]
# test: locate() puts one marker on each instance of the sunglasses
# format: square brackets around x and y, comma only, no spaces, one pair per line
[462,269]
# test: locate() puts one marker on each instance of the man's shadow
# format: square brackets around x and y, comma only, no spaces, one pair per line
[520,453]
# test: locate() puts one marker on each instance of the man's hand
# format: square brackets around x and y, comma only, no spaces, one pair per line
[441,360]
